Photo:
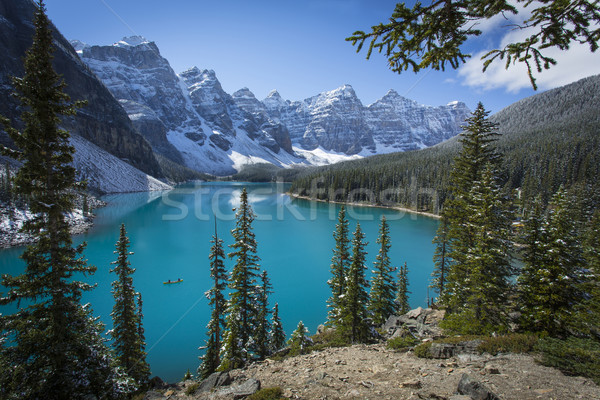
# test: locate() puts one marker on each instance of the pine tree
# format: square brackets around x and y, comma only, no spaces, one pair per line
[383,288]
[277,333]
[211,359]
[478,234]
[127,343]
[262,335]
[55,349]
[487,262]
[353,323]
[402,293]
[340,263]
[299,340]
[590,310]
[553,286]
[440,257]
[529,282]
[242,306]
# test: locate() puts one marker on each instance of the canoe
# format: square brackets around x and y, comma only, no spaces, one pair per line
[169,282]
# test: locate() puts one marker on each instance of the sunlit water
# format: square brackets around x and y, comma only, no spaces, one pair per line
[170,233]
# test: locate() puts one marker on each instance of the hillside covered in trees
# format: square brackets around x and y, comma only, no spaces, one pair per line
[547,140]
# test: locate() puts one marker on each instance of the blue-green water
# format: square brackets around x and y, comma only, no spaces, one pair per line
[170,233]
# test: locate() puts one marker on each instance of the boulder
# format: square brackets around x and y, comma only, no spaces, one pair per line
[475,389]
[419,322]
[241,390]
[157,383]
[213,381]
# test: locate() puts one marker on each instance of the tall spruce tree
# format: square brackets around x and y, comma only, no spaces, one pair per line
[340,263]
[440,257]
[211,359]
[554,285]
[478,232]
[590,312]
[128,345]
[277,332]
[262,334]
[242,305]
[353,322]
[54,347]
[383,288]
[487,263]
[402,292]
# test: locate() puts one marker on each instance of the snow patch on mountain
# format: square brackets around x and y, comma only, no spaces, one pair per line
[107,173]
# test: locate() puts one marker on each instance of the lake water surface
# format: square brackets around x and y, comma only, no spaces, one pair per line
[170,234]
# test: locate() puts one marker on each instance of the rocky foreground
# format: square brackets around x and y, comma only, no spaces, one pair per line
[376,372]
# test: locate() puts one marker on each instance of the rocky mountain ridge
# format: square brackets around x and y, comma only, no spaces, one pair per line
[102,121]
[212,131]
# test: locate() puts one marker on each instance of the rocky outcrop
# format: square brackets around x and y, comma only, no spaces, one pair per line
[102,121]
[420,323]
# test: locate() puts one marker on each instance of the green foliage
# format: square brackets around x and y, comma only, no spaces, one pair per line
[381,298]
[326,339]
[433,35]
[299,341]
[277,332]
[478,235]
[191,389]
[402,343]
[211,359]
[402,291]
[550,282]
[261,335]
[127,344]
[510,343]
[340,263]
[52,345]
[353,322]
[422,350]
[241,309]
[271,393]
[573,356]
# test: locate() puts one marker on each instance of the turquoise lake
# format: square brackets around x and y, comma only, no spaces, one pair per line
[170,234]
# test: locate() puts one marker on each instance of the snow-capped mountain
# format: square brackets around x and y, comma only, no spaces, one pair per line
[188,118]
[191,120]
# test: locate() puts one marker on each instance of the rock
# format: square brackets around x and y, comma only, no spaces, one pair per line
[476,390]
[157,383]
[442,350]
[320,329]
[214,380]
[491,370]
[413,383]
[460,397]
[419,323]
[154,395]
[287,393]
[241,390]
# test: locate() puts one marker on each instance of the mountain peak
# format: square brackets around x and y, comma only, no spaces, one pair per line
[78,45]
[132,41]
[274,94]
[244,92]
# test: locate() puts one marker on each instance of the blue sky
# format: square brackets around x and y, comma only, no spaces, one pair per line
[298,48]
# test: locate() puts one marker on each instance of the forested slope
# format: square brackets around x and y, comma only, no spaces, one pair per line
[547,140]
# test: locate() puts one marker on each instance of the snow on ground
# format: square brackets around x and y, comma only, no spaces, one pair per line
[107,173]
[320,156]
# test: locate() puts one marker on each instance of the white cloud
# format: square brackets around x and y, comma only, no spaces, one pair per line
[573,64]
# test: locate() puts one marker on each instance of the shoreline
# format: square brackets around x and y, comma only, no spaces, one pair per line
[354,204]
